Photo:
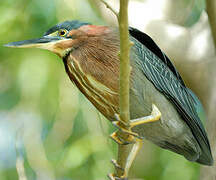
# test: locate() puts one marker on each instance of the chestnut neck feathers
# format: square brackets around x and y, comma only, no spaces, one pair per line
[93,65]
[97,55]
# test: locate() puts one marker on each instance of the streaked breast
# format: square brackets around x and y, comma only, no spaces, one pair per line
[101,96]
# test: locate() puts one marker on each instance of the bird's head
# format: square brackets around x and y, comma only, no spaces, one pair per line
[90,55]
[61,38]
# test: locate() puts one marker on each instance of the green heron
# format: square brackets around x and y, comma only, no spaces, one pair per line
[162,109]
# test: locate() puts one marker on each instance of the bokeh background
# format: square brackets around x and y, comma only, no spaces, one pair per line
[49,131]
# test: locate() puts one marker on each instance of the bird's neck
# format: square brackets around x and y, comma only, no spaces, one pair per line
[98,58]
[94,68]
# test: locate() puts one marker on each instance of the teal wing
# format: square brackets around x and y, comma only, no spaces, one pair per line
[198,107]
[157,67]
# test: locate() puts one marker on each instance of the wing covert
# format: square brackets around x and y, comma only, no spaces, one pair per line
[168,81]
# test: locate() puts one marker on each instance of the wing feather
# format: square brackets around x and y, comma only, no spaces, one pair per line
[157,67]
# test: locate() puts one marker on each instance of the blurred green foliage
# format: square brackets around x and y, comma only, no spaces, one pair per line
[60,135]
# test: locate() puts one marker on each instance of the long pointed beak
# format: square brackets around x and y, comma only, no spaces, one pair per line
[42,42]
[53,44]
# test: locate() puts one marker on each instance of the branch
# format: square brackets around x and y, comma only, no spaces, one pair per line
[124,61]
[123,150]
[109,7]
[125,45]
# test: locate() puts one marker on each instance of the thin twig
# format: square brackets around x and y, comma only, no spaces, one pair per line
[109,7]
[125,45]
[124,61]
[123,150]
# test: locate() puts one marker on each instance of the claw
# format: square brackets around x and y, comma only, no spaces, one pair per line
[122,141]
[131,137]
[117,117]
[117,125]
[156,112]
[113,177]
[130,158]
[155,116]
[114,162]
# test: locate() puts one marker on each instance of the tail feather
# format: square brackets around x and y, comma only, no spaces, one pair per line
[205,158]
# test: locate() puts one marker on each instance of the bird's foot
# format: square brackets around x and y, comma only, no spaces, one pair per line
[126,127]
[124,171]
[122,141]
[131,138]
[155,116]
[117,166]
[113,177]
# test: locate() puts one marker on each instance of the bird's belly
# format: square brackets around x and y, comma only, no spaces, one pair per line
[171,131]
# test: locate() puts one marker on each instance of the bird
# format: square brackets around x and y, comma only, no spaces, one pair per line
[163,109]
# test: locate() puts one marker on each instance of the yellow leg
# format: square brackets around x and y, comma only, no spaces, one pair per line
[132,138]
[119,140]
[135,149]
[155,116]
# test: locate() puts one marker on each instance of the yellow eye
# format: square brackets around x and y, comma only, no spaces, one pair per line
[62,32]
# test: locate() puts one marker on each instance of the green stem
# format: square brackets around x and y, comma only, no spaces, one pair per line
[124,61]
[125,45]
[123,150]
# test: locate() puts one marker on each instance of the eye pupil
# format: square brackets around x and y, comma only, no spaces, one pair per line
[62,33]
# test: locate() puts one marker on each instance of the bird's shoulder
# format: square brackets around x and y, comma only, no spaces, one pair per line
[148,42]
